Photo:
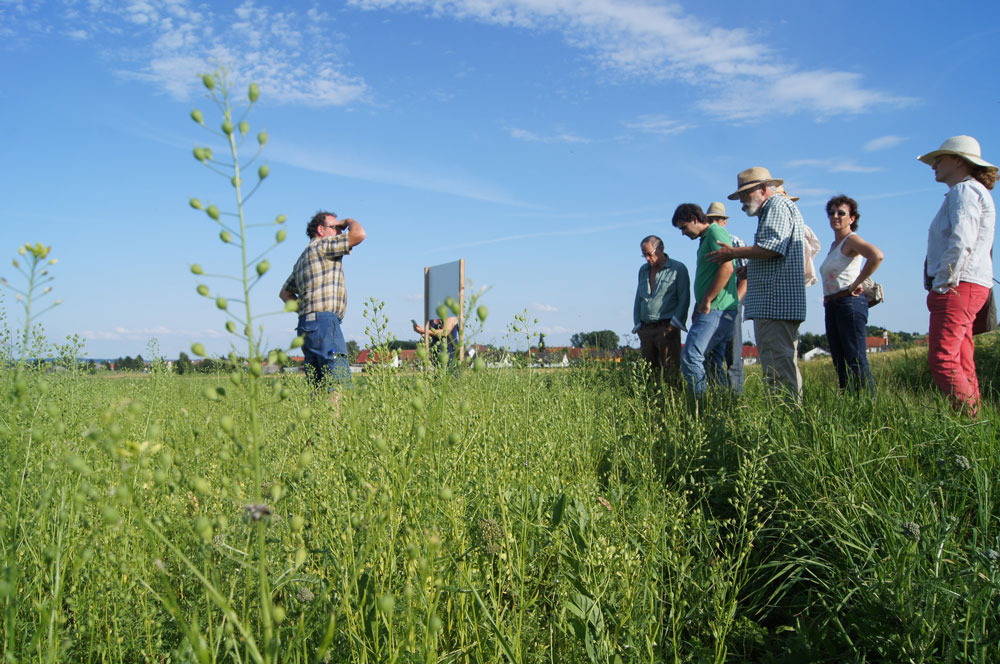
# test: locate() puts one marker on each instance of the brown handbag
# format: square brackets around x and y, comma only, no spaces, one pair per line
[986,319]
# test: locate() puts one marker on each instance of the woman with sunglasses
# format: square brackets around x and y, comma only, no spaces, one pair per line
[850,262]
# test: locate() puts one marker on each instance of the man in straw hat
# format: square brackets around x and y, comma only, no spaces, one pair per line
[776,292]
[734,351]
[958,271]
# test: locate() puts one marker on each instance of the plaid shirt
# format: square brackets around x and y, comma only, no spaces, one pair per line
[776,288]
[318,276]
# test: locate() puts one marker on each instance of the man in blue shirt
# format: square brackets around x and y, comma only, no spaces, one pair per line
[662,298]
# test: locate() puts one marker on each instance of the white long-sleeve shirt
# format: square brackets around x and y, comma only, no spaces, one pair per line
[961,237]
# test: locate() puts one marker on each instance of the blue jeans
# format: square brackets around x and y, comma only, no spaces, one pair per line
[324,349]
[734,353]
[705,349]
[846,320]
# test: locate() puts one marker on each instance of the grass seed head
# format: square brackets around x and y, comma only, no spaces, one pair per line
[263,171]
[253,93]
[208,80]
[197,116]
[196,204]
[203,290]
[196,269]
[262,138]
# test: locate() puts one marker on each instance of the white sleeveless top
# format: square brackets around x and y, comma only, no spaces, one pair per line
[839,271]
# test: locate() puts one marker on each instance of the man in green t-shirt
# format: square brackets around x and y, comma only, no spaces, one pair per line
[716,302]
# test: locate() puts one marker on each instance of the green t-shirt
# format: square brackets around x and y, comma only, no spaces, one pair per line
[726,299]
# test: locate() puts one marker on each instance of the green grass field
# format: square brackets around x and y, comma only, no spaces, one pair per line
[515,515]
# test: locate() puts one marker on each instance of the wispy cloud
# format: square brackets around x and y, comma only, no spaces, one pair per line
[560,233]
[421,178]
[170,42]
[657,124]
[740,77]
[119,333]
[538,306]
[883,143]
[531,137]
[835,165]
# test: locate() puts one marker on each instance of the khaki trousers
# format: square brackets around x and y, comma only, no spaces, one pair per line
[778,345]
[662,349]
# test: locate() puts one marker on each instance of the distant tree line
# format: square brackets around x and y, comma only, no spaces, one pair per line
[809,340]
[601,340]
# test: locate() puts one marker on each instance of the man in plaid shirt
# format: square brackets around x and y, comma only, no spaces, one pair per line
[317,283]
[776,290]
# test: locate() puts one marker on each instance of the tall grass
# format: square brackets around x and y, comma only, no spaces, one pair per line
[553,516]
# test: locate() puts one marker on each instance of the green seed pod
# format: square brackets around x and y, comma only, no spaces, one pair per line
[445,493]
[227,127]
[442,311]
[263,171]
[226,422]
[478,364]
[230,327]
[196,204]
[226,237]
[110,515]
[196,116]
[234,379]
[465,408]
[254,93]
[200,154]
[212,212]
[305,414]
[300,556]
[202,290]
[284,393]
[282,357]
[385,603]
[421,432]
[280,219]
[255,368]
[235,181]
[262,137]
[272,357]
[381,445]
[454,438]
[263,267]
[196,269]
[417,404]
[277,491]
[209,81]
[198,350]
[297,523]
[210,394]
[159,476]
[298,341]
[221,303]
[244,128]
[482,312]
[435,625]
[280,235]
[305,458]
[278,613]
[451,304]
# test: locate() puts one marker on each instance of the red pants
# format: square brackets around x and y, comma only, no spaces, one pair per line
[949,344]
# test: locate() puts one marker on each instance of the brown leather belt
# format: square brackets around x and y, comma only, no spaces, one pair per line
[839,295]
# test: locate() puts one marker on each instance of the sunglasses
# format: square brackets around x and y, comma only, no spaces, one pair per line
[837,213]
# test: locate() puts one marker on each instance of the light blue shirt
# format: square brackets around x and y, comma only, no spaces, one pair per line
[961,237]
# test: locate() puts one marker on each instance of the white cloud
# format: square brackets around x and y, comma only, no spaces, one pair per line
[883,143]
[171,42]
[544,307]
[740,77]
[531,137]
[657,124]
[835,165]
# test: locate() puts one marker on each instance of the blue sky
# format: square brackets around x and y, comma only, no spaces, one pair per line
[539,140]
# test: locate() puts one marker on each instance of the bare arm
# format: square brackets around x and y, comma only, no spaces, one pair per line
[873,258]
[355,232]
[726,253]
[287,295]
[718,283]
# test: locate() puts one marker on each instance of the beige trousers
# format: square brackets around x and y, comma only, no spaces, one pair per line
[778,345]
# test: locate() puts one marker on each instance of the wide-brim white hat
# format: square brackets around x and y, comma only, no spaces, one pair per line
[965,147]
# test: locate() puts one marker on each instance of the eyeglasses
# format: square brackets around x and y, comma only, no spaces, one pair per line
[837,213]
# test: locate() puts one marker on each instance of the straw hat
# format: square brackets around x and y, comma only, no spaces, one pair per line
[717,209]
[965,147]
[781,190]
[752,177]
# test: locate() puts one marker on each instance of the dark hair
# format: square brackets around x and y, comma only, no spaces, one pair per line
[852,205]
[657,242]
[986,175]
[689,212]
[318,220]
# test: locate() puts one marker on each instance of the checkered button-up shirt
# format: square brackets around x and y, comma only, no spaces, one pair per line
[776,287]
[318,276]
